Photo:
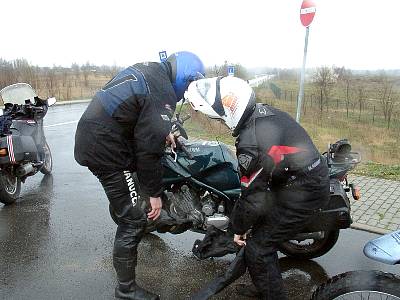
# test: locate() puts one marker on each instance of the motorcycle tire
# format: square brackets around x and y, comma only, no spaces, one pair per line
[310,250]
[305,275]
[48,160]
[10,188]
[360,285]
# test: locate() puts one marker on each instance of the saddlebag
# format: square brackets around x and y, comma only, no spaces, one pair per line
[19,148]
[336,214]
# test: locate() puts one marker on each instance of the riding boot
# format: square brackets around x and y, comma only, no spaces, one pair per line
[127,287]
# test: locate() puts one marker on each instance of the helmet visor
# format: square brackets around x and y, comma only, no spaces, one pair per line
[201,96]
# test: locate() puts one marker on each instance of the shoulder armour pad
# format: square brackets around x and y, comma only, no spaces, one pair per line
[262,110]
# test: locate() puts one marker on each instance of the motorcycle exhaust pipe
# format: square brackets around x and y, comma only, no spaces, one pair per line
[24,170]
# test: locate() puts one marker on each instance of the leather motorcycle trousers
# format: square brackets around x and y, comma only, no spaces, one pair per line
[263,266]
[122,190]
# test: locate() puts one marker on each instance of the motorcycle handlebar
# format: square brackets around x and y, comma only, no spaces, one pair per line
[183,148]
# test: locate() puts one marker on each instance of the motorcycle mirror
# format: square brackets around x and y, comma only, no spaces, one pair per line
[51,101]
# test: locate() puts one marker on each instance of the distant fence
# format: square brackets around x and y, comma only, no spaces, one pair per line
[367,111]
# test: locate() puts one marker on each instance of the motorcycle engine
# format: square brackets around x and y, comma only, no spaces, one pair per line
[214,212]
[203,212]
[183,205]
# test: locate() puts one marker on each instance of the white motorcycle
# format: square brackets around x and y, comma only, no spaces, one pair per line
[367,284]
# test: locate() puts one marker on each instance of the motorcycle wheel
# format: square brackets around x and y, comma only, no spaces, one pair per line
[48,160]
[360,285]
[10,187]
[310,248]
[305,275]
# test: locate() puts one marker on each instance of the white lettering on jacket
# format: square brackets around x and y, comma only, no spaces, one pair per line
[131,186]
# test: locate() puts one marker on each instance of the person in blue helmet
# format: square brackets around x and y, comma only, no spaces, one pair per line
[121,137]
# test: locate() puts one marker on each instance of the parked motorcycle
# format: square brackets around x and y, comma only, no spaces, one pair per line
[201,184]
[23,147]
[322,232]
[367,284]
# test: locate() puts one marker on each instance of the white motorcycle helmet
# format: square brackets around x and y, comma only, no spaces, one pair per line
[229,99]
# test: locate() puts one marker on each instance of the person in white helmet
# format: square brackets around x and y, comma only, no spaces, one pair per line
[284,179]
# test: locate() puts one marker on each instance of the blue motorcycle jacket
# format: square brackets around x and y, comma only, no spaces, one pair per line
[125,125]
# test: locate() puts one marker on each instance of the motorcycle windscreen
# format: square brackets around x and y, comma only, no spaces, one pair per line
[18,93]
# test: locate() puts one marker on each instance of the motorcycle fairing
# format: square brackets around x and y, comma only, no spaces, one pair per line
[173,172]
[212,163]
[385,249]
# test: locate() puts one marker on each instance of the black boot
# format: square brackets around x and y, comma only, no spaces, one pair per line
[127,287]
[135,293]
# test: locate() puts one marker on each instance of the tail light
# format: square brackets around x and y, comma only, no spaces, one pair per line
[3,152]
[355,191]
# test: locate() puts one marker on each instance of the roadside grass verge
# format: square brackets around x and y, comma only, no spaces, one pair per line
[372,169]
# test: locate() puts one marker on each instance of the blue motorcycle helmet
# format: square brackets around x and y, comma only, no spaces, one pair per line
[185,68]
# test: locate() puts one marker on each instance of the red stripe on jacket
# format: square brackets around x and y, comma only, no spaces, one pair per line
[277,152]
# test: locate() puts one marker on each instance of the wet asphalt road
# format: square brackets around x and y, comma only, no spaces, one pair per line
[56,241]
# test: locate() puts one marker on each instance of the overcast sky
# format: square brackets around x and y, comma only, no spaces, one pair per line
[357,34]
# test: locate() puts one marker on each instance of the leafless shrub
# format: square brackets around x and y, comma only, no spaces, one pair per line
[324,80]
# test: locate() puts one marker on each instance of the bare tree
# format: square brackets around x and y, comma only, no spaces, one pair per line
[345,78]
[64,76]
[77,72]
[8,74]
[86,69]
[110,71]
[361,97]
[324,80]
[385,90]
[51,80]
[390,108]
[216,71]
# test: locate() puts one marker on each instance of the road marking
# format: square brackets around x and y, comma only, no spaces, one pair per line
[59,124]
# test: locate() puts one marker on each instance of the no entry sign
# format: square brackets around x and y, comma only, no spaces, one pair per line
[307,12]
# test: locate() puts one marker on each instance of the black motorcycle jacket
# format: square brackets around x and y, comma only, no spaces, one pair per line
[125,125]
[272,149]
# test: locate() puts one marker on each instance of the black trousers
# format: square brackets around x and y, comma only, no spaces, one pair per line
[122,190]
[295,203]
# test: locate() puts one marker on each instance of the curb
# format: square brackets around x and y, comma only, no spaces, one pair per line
[369,228]
[72,102]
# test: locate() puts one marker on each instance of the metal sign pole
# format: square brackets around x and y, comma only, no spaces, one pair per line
[301,91]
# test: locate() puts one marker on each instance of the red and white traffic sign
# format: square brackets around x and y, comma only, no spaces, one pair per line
[307,12]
